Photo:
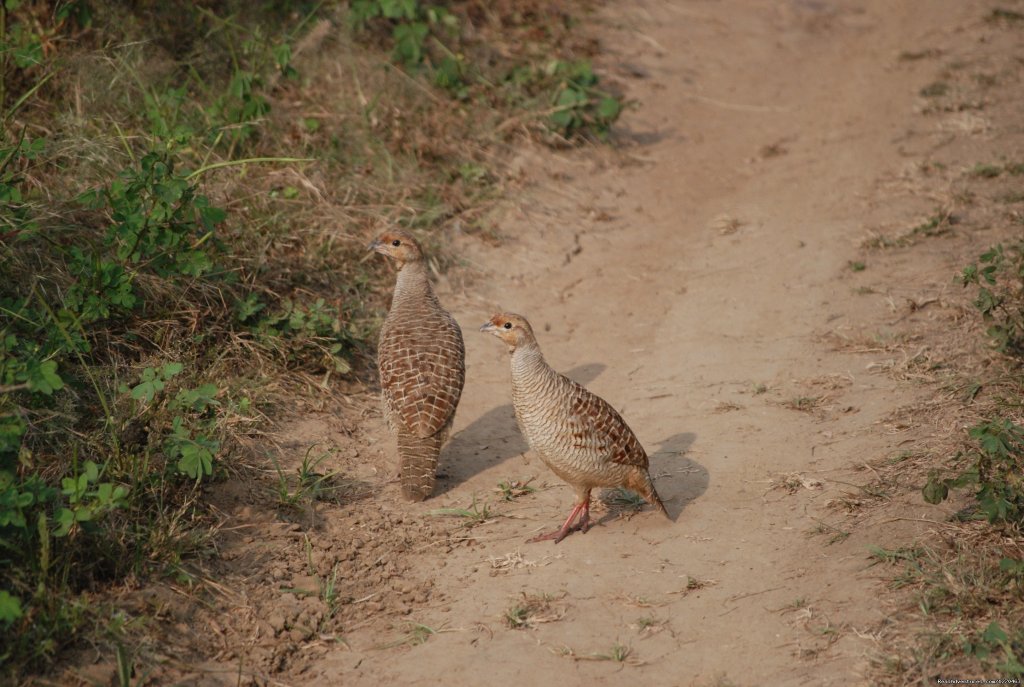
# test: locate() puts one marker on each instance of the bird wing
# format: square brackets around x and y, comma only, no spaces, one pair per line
[599,428]
[422,371]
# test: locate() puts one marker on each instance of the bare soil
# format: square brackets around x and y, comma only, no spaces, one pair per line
[698,276]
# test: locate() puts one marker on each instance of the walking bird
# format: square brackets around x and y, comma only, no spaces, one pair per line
[421,360]
[576,433]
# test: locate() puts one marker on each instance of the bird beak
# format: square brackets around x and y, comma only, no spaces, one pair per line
[488,327]
[374,247]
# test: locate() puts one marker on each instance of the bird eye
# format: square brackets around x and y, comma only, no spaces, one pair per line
[508,325]
[396,242]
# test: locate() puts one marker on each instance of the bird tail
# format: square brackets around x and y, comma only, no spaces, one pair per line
[644,485]
[417,463]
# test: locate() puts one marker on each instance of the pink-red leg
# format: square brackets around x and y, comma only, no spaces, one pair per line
[581,509]
[585,517]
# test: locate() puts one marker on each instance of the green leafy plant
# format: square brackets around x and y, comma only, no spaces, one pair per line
[310,485]
[153,381]
[994,469]
[10,608]
[580,107]
[87,498]
[311,330]
[241,104]
[412,25]
[194,452]
[188,441]
[995,646]
[158,220]
[999,276]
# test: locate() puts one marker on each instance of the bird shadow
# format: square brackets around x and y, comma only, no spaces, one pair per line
[492,438]
[666,464]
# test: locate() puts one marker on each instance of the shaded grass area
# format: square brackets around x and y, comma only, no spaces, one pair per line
[187,190]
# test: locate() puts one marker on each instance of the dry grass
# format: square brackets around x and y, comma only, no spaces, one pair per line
[531,610]
[961,576]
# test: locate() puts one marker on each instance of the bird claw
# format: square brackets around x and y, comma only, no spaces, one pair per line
[583,510]
[558,535]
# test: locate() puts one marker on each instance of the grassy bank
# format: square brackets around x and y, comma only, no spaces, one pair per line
[187,192]
[956,610]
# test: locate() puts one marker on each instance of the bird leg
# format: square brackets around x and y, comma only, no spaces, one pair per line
[584,523]
[583,510]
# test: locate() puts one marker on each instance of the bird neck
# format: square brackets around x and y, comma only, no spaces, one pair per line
[528,360]
[412,283]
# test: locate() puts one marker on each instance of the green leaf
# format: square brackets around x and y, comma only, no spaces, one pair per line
[247,307]
[282,55]
[146,391]
[12,428]
[409,40]
[43,377]
[196,460]
[10,607]
[935,491]
[65,519]
[198,399]
[211,216]
[399,9]
[29,54]
[171,369]
[570,97]
[1012,566]
[609,108]
[563,118]
[994,633]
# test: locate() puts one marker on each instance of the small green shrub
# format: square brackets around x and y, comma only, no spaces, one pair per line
[995,469]
[412,24]
[999,276]
[428,38]
[997,648]
[579,106]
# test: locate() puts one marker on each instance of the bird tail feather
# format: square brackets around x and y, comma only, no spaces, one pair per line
[417,463]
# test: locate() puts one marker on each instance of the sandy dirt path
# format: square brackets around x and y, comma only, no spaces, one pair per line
[692,278]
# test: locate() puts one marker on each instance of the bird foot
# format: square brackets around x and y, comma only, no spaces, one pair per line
[581,509]
[558,535]
[584,524]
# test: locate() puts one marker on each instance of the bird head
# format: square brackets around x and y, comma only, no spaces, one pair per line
[398,245]
[511,328]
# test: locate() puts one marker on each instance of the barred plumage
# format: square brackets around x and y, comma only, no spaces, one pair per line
[421,360]
[576,433]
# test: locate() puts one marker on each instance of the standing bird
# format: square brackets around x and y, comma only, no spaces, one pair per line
[422,364]
[576,433]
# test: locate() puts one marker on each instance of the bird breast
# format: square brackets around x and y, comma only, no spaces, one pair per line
[546,405]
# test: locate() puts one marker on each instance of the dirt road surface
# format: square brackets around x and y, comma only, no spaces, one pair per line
[696,276]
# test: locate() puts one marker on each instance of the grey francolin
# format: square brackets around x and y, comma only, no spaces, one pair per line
[576,433]
[421,359]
